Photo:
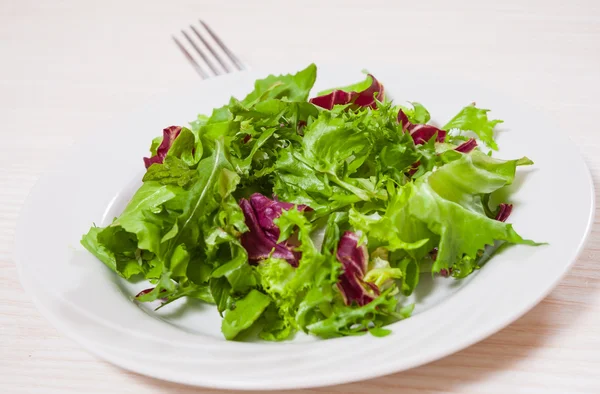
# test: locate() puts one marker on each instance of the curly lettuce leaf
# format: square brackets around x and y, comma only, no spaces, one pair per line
[444,207]
[416,112]
[347,320]
[461,231]
[264,129]
[337,161]
[132,243]
[397,159]
[395,229]
[160,234]
[123,261]
[296,181]
[474,119]
[383,275]
[297,293]
[380,272]
[466,177]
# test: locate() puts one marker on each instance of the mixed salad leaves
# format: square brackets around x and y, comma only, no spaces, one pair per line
[319,214]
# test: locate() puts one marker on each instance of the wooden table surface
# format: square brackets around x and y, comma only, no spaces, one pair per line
[67,65]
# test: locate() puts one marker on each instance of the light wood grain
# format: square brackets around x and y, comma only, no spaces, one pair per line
[67,65]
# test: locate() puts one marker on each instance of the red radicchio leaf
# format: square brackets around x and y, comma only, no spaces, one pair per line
[504,211]
[354,259]
[260,213]
[337,97]
[268,210]
[467,146]
[169,135]
[366,98]
[146,291]
[421,133]
[403,120]
[360,99]
[446,272]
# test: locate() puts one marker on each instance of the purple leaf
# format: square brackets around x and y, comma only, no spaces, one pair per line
[146,291]
[260,213]
[421,133]
[403,120]
[366,98]
[360,99]
[446,272]
[504,211]
[467,146]
[354,259]
[337,97]
[169,135]
[268,210]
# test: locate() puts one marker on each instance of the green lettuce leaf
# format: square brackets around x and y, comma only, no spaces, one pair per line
[474,119]
[337,162]
[349,320]
[173,171]
[186,147]
[411,271]
[134,238]
[292,87]
[355,87]
[295,181]
[461,231]
[159,232]
[416,113]
[382,275]
[297,293]
[216,180]
[467,176]
[244,313]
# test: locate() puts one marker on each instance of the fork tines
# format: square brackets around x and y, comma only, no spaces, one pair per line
[206,47]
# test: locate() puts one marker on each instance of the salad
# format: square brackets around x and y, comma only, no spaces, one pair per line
[291,213]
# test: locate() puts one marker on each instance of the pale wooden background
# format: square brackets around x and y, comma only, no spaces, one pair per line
[67,65]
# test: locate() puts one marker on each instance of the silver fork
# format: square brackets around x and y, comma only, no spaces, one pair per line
[206,43]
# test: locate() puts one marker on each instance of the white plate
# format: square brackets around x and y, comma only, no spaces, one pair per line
[183,343]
